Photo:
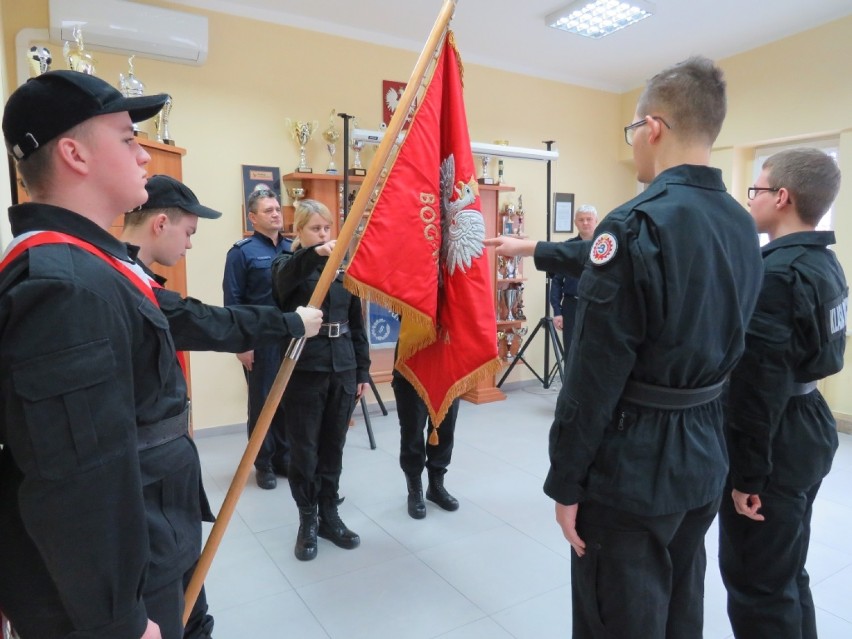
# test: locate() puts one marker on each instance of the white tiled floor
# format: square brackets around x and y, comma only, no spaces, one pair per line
[497,568]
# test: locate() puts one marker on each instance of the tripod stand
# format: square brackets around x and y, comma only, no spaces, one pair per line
[369,426]
[546,322]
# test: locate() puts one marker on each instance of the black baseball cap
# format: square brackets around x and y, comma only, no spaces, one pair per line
[165,192]
[50,104]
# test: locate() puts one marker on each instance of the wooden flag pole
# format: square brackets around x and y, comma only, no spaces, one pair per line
[347,232]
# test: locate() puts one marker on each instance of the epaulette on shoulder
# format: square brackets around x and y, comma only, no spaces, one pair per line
[239,243]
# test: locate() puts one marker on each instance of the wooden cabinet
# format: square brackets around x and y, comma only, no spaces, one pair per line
[507,347]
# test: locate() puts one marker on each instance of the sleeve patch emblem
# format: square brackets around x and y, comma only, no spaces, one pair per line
[603,249]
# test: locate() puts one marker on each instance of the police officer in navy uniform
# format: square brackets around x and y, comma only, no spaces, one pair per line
[780,431]
[637,451]
[99,481]
[563,288]
[330,376]
[247,280]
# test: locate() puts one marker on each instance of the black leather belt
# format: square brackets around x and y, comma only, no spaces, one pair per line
[160,433]
[667,398]
[334,329]
[803,389]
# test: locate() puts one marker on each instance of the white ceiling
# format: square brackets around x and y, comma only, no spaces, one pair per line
[511,34]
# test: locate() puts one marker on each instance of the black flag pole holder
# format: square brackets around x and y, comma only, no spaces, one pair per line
[551,337]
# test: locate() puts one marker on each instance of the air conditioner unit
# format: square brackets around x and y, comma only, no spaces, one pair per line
[118,26]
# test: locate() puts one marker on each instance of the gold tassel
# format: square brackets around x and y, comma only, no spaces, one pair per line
[433,437]
[451,38]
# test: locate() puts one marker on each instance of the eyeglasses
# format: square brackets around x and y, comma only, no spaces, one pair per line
[754,190]
[630,128]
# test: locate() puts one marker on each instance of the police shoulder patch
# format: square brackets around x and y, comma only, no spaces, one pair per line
[242,241]
[604,248]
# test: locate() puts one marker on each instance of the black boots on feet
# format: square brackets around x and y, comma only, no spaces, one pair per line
[332,528]
[437,494]
[416,505]
[306,539]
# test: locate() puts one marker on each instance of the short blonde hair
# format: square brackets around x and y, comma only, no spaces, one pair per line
[305,210]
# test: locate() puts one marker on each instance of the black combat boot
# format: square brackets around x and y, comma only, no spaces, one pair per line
[416,505]
[306,540]
[332,528]
[436,493]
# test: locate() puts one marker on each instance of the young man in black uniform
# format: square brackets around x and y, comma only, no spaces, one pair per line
[637,450]
[93,418]
[780,431]
[160,231]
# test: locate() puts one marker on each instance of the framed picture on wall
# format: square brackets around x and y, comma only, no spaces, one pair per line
[563,212]
[255,178]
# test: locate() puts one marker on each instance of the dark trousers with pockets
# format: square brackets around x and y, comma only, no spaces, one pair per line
[641,576]
[274,452]
[317,408]
[763,565]
[414,454]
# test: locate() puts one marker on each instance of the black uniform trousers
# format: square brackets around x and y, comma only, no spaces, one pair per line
[414,454]
[274,453]
[317,408]
[641,576]
[763,566]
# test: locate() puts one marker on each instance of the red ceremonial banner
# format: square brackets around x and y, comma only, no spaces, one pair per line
[421,252]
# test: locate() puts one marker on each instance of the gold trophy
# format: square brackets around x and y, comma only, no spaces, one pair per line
[331,135]
[297,193]
[131,87]
[79,59]
[302,133]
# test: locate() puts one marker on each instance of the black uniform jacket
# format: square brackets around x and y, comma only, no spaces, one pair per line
[87,361]
[797,334]
[196,326]
[668,306]
[294,278]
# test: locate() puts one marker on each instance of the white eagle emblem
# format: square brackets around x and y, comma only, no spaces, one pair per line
[462,230]
[392,98]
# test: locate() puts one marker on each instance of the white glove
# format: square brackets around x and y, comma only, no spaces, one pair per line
[311,318]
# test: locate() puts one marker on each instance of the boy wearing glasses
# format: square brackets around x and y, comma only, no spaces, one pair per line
[637,450]
[248,280]
[780,431]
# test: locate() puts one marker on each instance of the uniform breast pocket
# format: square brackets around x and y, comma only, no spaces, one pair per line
[592,290]
[67,398]
[166,355]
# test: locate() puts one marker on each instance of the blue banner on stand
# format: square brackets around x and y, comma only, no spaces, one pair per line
[382,326]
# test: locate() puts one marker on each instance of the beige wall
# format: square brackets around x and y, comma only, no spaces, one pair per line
[231,111]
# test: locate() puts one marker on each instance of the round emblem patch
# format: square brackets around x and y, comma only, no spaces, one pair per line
[603,249]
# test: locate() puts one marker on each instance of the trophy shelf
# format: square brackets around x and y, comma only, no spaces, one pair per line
[323,187]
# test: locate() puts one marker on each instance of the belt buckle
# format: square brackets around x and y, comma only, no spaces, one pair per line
[334,329]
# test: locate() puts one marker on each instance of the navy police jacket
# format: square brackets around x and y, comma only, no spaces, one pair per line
[666,291]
